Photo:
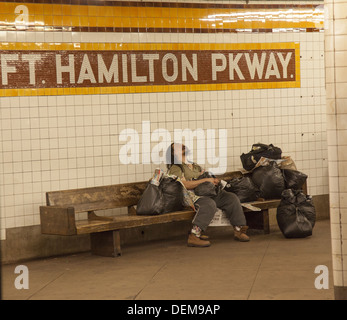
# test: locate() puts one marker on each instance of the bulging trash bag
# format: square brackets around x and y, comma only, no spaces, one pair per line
[244,188]
[294,179]
[296,214]
[305,203]
[207,189]
[172,191]
[269,180]
[151,201]
[167,197]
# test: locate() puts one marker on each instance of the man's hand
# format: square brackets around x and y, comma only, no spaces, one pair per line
[215,181]
[194,183]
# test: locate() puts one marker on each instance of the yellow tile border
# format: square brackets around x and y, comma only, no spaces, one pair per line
[144,89]
[65,15]
[47,46]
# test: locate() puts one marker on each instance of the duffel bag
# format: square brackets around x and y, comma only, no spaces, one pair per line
[250,159]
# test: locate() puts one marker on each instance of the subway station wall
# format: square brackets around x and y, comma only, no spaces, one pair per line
[93,92]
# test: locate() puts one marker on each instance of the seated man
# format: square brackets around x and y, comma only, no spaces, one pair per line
[206,207]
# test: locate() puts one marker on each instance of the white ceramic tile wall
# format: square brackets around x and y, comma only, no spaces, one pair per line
[336,66]
[62,142]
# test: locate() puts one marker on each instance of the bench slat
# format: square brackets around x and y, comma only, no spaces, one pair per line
[264,205]
[98,198]
[126,221]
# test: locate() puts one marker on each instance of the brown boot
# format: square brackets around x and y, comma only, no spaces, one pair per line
[194,241]
[204,237]
[240,234]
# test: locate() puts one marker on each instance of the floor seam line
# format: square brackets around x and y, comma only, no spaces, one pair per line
[149,281]
[50,282]
[256,275]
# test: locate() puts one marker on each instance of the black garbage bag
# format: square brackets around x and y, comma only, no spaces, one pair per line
[269,180]
[151,201]
[250,159]
[207,189]
[167,197]
[296,214]
[244,188]
[306,206]
[294,179]
[172,194]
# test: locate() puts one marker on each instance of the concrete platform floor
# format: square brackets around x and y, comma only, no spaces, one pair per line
[269,267]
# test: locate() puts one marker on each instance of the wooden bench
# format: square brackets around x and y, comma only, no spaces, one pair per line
[58,217]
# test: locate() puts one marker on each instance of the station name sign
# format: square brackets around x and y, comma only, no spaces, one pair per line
[26,69]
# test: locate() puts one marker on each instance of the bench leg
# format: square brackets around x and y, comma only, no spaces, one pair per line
[258,220]
[106,243]
[266,221]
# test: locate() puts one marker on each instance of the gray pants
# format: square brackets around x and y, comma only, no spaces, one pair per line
[226,201]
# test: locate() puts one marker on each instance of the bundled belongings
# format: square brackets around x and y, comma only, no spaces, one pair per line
[286,162]
[250,159]
[244,188]
[207,188]
[269,180]
[151,201]
[163,194]
[172,191]
[294,179]
[296,215]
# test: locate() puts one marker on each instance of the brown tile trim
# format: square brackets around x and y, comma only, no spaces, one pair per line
[167,4]
[154,30]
